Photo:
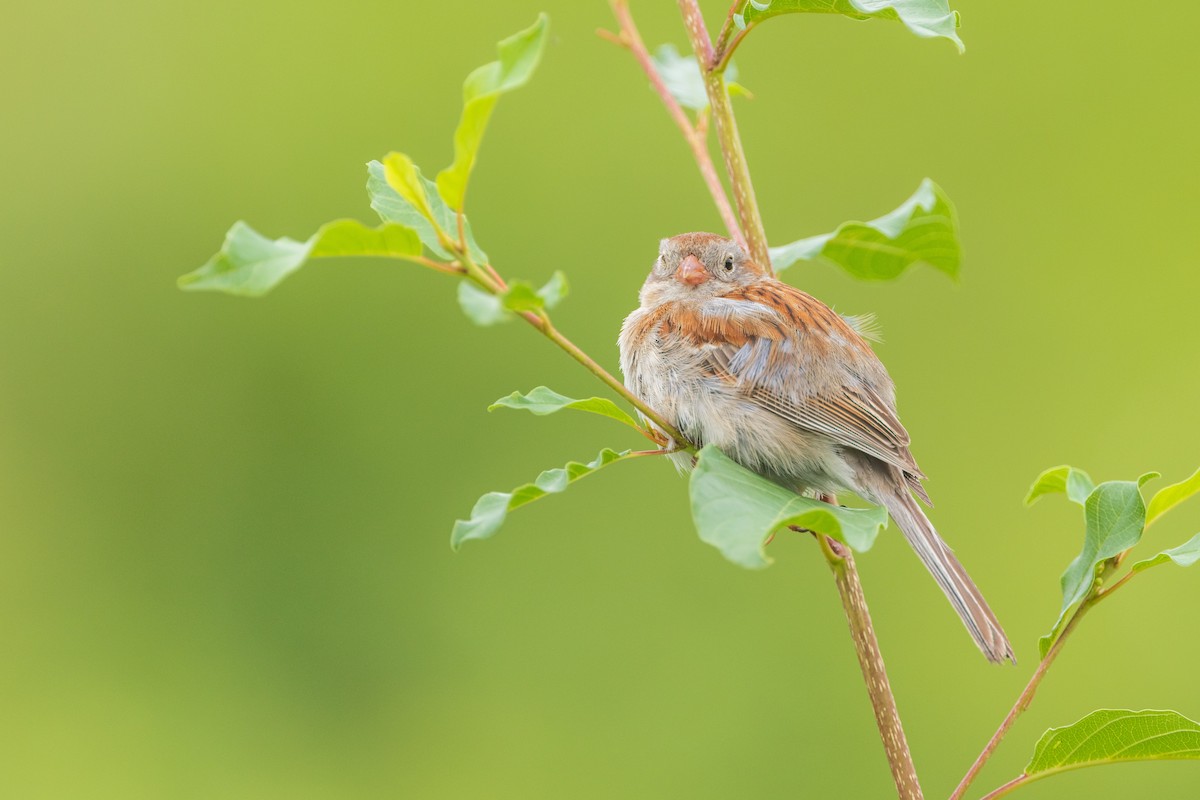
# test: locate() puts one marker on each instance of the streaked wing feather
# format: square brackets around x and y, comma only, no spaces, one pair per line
[856,418]
[914,483]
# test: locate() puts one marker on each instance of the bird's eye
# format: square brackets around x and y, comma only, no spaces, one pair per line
[729,263]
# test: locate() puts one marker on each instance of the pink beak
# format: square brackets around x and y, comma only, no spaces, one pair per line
[691,272]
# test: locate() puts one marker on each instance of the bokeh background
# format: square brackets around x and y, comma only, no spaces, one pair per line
[224,561]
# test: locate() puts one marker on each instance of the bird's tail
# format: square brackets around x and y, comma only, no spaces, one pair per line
[962,592]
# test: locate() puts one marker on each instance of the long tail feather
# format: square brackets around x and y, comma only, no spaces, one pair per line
[962,592]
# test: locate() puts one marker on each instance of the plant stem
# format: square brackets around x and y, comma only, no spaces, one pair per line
[452,268]
[696,138]
[1016,782]
[727,41]
[693,20]
[727,135]
[1023,701]
[735,165]
[887,718]
[1103,593]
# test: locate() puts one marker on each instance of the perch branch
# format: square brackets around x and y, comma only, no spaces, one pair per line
[870,661]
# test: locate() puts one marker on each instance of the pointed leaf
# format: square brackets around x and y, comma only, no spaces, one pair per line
[923,229]
[925,18]
[681,75]
[542,401]
[1115,515]
[392,207]
[519,56]
[1184,555]
[736,511]
[249,264]
[491,510]
[1171,496]
[1111,736]
[1074,483]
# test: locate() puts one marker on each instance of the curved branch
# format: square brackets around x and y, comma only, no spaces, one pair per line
[1022,703]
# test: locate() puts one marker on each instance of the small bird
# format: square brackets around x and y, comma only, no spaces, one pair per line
[785,387]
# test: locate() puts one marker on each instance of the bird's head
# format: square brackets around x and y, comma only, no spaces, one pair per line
[698,266]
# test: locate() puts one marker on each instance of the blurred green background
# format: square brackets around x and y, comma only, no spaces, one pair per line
[224,561]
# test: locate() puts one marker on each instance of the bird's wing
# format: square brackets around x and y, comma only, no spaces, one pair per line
[785,369]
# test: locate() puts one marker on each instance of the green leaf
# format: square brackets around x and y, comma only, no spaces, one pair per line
[483,308]
[1115,516]
[1111,736]
[249,264]
[681,75]
[519,56]
[521,296]
[349,237]
[491,510]
[923,229]
[736,511]
[1074,483]
[925,18]
[392,207]
[542,401]
[1184,555]
[555,290]
[407,181]
[1171,496]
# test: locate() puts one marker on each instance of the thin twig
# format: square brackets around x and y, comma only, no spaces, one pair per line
[696,139]
[870,661]
[1096,595]
[727,40]
[590,364]
[1103,593]
[727,134]
[1000,791]
[722,40]
[1023,701]
[616,38]
[496,276]
[721,59]
[453,268]
[656,452]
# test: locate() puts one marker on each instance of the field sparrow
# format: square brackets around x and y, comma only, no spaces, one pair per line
[787,388]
